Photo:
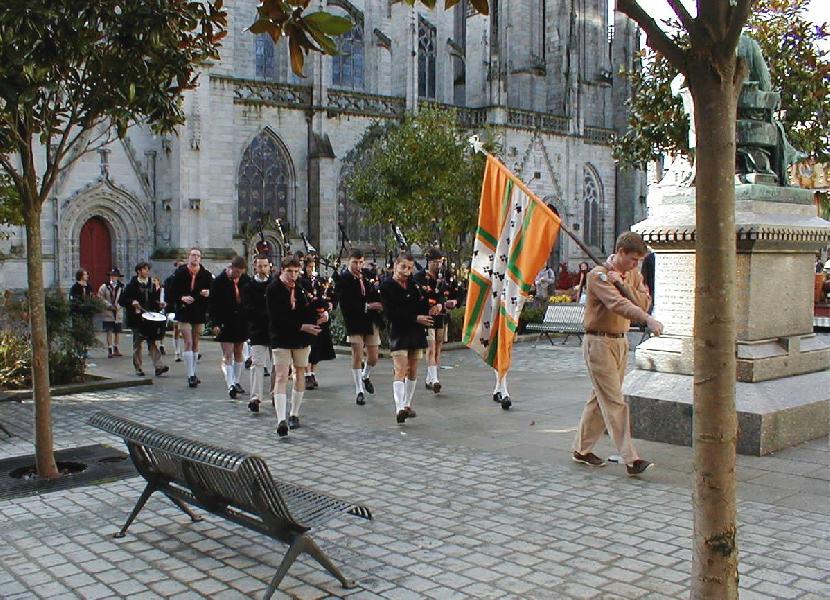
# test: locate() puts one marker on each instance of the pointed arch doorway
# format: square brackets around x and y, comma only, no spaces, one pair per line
[96,250]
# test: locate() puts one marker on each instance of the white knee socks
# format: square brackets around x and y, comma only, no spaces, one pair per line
[432,373]
[399,392]
[237,371]
[228,371]
[357,375]
[410,390]
[367,371]
[296,402]
[280,401]
[190,362]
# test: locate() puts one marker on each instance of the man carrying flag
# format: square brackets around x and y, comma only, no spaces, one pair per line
[515,235]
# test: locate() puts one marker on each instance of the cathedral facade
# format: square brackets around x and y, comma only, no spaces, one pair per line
[260,141]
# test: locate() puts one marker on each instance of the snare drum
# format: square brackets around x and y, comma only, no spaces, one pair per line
[153,325]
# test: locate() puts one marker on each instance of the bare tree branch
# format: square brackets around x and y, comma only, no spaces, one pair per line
[656,37]
[8,167]
[685,17]
[737,20]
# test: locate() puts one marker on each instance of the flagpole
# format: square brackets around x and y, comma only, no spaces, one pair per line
[478,146]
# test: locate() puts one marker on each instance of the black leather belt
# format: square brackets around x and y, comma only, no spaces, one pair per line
[605,334]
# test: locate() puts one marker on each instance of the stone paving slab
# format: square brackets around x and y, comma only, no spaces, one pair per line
[469,501]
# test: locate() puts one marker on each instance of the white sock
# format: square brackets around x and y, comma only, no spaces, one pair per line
[228,371]
[367,370]
[504,386]
[177,346]
[432,371]
[399,392]
[280,401]
[410,390]
[237,371]
[296,402]
[357,375]
[246,351]
[189,362]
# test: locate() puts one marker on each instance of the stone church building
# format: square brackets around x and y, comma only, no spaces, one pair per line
[260,141]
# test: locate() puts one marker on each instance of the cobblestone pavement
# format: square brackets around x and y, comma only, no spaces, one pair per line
[469,501]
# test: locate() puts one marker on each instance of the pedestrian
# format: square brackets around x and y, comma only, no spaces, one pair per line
[79,295]
[141,296]
[608,316]
[582,282]
[320,296]
[361,306]
[168,287]
[293,323]
[256,315]
[543,281]
[80,290]
[113,313]
[440,292]
[189,294]
[408,314]
[229,324]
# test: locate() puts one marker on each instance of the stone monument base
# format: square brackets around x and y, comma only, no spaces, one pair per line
[772,415]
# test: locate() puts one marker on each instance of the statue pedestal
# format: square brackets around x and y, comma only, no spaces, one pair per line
[783,382]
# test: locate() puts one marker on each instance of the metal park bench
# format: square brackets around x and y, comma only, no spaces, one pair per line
[561,317]
[231,484]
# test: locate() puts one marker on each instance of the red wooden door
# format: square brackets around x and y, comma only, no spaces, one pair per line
[96,251]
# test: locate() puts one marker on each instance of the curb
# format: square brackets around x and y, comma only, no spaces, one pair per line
[79,388]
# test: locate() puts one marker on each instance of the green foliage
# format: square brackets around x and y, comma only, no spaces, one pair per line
[15,360]
[799,63]
[338,328]
[419,174]
[10,209]
[531,313]
[455,326]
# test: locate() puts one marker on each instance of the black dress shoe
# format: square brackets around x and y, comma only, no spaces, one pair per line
[506,403]
[232,393]
[309,382]
[248,363]
[192,381]
[162,370]
[293,422]
[436,387]
[266,374]
[253,406]
[429,385]
[497,397]
[401,416]
[368,385]
[139,373]
[410,413]
[360,400]
[238,388]
[282,429]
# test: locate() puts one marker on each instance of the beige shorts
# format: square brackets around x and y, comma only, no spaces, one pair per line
[284,357]
[417,353]
[369,339]
[438,335]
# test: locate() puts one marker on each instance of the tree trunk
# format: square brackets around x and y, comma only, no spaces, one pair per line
[715,552]
[44,447]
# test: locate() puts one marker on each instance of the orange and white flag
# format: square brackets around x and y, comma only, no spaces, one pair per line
[515,235]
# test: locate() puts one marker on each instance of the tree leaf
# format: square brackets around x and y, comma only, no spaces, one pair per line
[261,26]
[326,44]
[482,6]
[448,4]
[328,23]
[297,56]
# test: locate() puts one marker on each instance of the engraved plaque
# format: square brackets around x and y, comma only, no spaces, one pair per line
[674,292]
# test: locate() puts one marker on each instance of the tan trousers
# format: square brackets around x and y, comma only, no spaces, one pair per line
[259,360]
[607,359]
[152,350]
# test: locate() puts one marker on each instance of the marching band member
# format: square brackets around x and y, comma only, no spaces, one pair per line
[319,294]
[189,295]
[142,295]
[229,324]
[256,313]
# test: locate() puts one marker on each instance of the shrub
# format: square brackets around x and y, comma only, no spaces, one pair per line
[15,360]
[530,314]
[456,324]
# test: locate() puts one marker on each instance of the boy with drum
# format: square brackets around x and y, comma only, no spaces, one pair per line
[141,299]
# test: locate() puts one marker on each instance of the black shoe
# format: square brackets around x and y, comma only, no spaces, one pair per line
[199,356]
[436,387]
[506,403]
[139,373]
[293,422]
[253,406]
[198,381]
[282,429]
[192,381]
[401,416]
[232,393]
[178,359]
[497,397]
[360,400]
[238,388]
[162,350]
[309,382]
[266,374]
[590,459]
[429,385]
[248,363]
[638,467]
[162,370]
[368,386]
[410,413]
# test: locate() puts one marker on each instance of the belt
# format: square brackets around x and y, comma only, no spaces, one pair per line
[605,334]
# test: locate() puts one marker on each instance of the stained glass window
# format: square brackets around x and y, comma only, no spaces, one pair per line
[266,60]
[347,67]
[592,197]
[263,181]
[426,59]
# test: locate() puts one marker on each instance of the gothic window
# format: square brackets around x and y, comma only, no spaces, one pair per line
[426,59]
[353,218]
[347,67]
[592,202]
[537,33]
[264,176]
[266,57]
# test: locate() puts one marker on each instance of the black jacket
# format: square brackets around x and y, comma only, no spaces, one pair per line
[225,312]
[402,307]
[353,302]
[437,290]
[256,311]
[148,297]
[285,322]
[197,311]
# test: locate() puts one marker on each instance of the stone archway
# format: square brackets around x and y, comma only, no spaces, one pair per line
[127,219]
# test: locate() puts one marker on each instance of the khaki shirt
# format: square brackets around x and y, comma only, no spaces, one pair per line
[607,310]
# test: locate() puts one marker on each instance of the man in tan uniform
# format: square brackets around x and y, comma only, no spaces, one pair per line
[608,315]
